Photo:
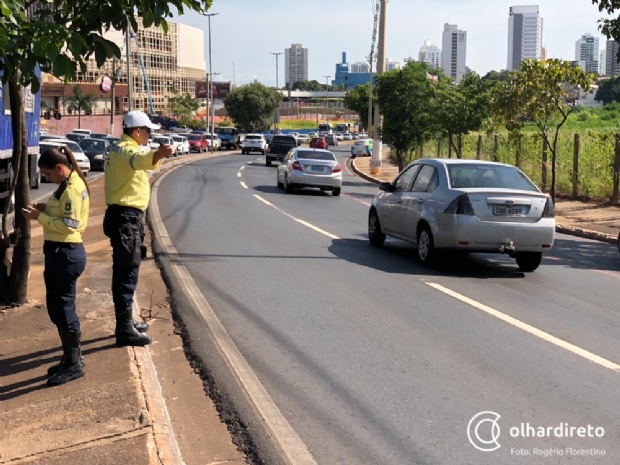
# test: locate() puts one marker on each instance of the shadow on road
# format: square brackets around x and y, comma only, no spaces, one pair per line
[584,255]
[401,258]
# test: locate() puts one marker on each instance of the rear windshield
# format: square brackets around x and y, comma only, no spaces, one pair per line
[313,155]
[488,176]
[318,139]
[92,144]
[193,137]
[286,139]
[253,137]
[177,139]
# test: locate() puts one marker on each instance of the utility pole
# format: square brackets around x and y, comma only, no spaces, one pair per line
[277,54]
[212,127]
[371,60]
[327,98]
[377,149]
[129,83]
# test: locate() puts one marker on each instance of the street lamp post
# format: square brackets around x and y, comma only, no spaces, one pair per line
[327,98]
[212,128]
[277,54]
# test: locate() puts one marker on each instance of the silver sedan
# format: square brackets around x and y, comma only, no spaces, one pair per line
[305,167]
[465,205]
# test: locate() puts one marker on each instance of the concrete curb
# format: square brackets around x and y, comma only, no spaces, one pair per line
[560,228]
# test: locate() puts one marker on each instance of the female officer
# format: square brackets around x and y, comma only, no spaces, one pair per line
[64,219]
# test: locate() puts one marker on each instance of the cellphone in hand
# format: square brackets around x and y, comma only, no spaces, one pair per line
[25,210]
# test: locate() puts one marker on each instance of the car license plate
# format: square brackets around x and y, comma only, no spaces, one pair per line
[504,210]
[317,169]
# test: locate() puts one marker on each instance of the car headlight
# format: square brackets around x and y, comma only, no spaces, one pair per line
[98,157]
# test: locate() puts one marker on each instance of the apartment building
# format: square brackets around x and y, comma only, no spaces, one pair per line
[295,64]
[454,54]
[525,35]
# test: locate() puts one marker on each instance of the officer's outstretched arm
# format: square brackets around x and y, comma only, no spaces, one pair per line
[139,160]
[71,205]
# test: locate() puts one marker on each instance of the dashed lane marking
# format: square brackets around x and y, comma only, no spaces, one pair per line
[305,223]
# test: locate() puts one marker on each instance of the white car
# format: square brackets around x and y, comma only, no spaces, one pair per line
[361,148]
[217,142]
[254,143]
[339,136]
[155,142]
[347,136]
[304,167]
[464,206]
[80,157]
[182,144]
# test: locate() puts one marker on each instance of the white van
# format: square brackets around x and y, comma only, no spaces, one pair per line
[86,132]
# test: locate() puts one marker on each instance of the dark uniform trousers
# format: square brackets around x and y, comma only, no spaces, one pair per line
[64,264]
[124,227]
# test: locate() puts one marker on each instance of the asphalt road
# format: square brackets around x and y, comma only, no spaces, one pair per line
[374,359]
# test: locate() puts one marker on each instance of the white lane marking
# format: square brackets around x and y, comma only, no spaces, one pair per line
[238,174]
[242,168]
[305,223]
[288,442]
[355,198]
[529,329]
[245,186]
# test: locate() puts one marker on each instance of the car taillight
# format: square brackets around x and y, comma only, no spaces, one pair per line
[337,168]
[269,148]
[296,166]
[460,206]
[549,211]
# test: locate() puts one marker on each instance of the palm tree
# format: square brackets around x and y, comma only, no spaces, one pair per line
[79,101]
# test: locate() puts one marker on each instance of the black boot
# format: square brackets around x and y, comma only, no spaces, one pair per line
[55,368]
[70,368]
[141,326]
[126,333]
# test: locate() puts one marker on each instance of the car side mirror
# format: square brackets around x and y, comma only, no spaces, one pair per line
[386,187]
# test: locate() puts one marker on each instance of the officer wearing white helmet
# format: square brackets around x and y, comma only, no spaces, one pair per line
[127,194]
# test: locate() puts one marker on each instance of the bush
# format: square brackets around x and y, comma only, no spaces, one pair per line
[583,116]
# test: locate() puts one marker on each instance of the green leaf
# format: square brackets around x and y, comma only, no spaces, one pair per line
[3,38]
[51,51]
[101,54]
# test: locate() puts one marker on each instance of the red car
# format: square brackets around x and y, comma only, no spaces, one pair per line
[318,143]
[197,142]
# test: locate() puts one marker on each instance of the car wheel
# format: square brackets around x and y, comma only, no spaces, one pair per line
[426,246]
[375,234]
[267,161]
[336,192]
[528,261]
[287,187]
[242,152]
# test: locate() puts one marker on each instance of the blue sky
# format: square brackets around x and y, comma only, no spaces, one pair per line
[246,31]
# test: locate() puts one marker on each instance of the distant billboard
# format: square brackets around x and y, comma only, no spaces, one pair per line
[201,89]
[221,89]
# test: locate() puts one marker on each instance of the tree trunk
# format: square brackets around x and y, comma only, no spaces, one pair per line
[20,268]
[553,165]
[79,118]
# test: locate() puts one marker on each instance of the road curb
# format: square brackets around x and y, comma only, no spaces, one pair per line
[559,228]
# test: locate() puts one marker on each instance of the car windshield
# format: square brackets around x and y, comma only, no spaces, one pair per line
[488,176]
[313,155]
[92,144]
[253,137]
[75,148]
[318,139]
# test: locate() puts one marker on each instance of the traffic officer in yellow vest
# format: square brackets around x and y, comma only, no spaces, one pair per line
[127,194]
[64,219]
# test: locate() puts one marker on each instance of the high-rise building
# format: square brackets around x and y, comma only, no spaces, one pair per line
[602,63]
[430,54]
[360,67]
[525,34]
[612,67]
[587,53]
[295,64]
[391,65]
[454,53]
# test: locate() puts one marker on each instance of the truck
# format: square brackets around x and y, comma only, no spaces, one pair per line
[32,107]
[228,137]
[279,146]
